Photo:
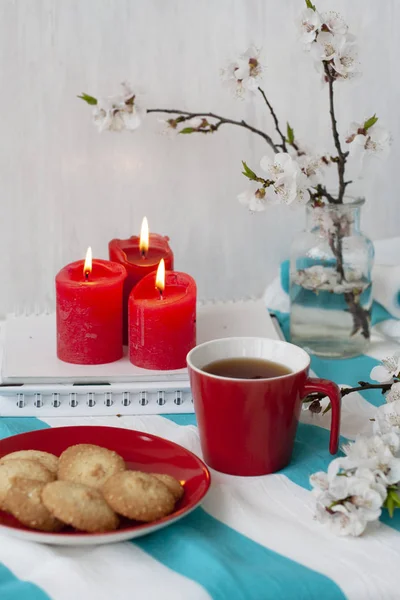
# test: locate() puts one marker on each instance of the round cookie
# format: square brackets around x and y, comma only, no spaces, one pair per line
[50,461]
[21,467]
[89,464]
[24,502]
[138,496]
[78,505]
[172,484]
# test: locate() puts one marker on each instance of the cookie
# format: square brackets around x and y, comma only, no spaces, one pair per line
[80,506]
[21,467]
[138,496]
[23,500]
[172,484]
[89,464]
[50,461]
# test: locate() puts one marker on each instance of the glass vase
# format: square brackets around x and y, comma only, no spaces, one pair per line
[330,282]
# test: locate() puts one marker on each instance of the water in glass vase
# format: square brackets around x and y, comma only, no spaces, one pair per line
[330,283]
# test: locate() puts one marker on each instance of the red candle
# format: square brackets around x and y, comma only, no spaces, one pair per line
[89,312]
[140,256]
[162,322]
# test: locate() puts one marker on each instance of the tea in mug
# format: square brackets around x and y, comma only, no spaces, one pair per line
[246,368]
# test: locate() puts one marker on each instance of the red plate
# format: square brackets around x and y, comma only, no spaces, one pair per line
[141,451]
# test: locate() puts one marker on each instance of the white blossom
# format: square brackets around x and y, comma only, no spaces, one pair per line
[385,466]
[366,143]
[318,278]
[353,491]
[243,75]
[254,200]
[347,520]
[389,368]
[312,278]
[310,164]
[312,167]
[331,223]
[334,22]
[379,460]
[339,486]
[289,182]
[347,499]
[319,482]
[326,46]
[116,113]
[341,519]
[393,395]
[107,114]
[362,448]
[368,447]
[310,22]
[286,184]
[330,43]
[339,51]
[366,474]
[323,219]
[345,61]
[170,127]
[388,418]
[364,497]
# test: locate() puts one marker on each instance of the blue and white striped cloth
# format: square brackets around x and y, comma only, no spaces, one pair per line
[253,539]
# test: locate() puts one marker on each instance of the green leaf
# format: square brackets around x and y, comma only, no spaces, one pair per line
[187,130]
[89,99]
[369,122]
[290,134]
[247,172]
[389,503]
[396,498]
[310,5]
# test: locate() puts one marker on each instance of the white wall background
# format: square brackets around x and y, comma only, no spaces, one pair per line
[63,186]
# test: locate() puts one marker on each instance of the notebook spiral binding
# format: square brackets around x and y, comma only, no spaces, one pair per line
[86,400]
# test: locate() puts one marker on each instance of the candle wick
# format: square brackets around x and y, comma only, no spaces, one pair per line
[161,294]
[143,253]
[86,275]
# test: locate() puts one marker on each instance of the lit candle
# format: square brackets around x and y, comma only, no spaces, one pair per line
[162,320]
[89,311]
[140,256]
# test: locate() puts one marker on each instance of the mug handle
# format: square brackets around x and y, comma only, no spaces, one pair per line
[330,389]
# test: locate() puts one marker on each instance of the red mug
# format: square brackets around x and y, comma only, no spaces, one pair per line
[248,426]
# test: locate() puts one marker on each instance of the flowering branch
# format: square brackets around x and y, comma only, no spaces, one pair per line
[214,127]
[387,374]
[314,399]
[357,486]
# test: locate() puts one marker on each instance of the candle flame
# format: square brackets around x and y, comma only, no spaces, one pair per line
[144,237]
[160,277]
[87,268]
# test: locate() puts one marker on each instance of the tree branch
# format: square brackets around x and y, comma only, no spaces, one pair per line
[384,387]
[361,316]
[275,118]
[322,192]
[342,156]
[222,121]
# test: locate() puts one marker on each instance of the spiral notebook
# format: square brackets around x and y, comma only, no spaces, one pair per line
[34,382]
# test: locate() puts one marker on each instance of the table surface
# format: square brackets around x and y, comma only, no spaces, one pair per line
[253,538]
